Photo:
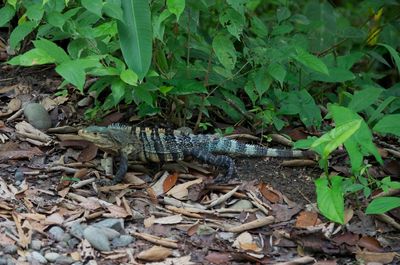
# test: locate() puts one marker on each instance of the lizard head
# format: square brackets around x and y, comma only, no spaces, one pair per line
[111,138]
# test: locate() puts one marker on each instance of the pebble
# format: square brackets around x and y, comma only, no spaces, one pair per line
[97,238]
[73,243]
[37,115]
[19,175]
[51,256]
[10,249]
[36,244]
[122,241]
[36,256]
[57,233]
[77,230]
[64,260]
[242,204]
[116,224]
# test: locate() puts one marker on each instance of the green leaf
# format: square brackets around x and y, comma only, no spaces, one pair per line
[330,199]
[258,27]
[93,6]
[360,144]
[129,77]
[20,32]
[336,137]
[73,72]
[364,98]
[52,50]
[136,36]
[336,75]
[186,87]
[310,61]
[34,11]
[6,14]
[56,19]
[176,7]
[389,124]
[277,71]
[262,81]
[144,95]
[113,10]
[233,21]
[282,14]
[225,51]
[382,205]
[117,90]
[32,57]
[393,53]
[238,5]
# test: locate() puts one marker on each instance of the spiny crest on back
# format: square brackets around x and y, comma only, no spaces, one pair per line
[118,126]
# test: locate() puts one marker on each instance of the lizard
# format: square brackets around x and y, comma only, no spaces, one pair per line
[164,145]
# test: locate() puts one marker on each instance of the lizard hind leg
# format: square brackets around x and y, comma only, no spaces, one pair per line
[215,160]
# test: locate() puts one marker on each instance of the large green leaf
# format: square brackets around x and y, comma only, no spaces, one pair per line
[389,124]
[176,7]
[383,204]
[311,61]
[136,36]
[364,98]
[225,51]
[94,6]
[394,54]
[20,32]
[6,14]
[52,50]
[32,57]
[330,198]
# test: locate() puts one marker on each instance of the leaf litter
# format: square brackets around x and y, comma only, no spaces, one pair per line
[173,216]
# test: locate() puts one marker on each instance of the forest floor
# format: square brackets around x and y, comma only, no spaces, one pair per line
[51,210]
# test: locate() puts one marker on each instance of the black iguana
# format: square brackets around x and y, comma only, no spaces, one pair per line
[162,145]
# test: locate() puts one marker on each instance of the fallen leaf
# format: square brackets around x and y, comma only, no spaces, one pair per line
[155,253]
[218,258]
[169,182]
[181,191]
[370,243]
[269,193]
[346,238]
[246,242]
[306,219]
[384,258]
[173,219]
[88,154]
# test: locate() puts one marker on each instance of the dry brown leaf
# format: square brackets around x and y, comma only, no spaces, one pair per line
[54,218]
[148,222]
[90,204]
[131,178]
[348,215]
[14,104]
[116,212]
[181,191]
[169,182]
[88,154]
[370,243]
[269,193]
[218,258]
[306,219]
[193,229]
[155,253]
[245,242]
[168,220]
[384,258]
[158,187]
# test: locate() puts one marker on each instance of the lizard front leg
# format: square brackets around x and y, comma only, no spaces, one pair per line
[216,160]
[122,169]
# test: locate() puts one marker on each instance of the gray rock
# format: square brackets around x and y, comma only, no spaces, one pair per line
[77,230]
[97,238]
[242,204]
[116,224]
[122,241]
[51,256]
[57,233]
[3,260]
[10,249]
[37,115]
[73,242]
[64,260]
[36,257]
[36,244]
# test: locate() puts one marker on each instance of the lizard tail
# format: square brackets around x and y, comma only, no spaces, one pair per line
[228,146]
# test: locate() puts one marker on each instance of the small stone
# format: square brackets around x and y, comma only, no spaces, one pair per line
[37,115]
[122,241]
[36,256]
[36,244]
[19,175]
[51,256]
[97,238]
[57,233]
[64,260]
[116,224]
[73,243]
[242,204]
[77,230]
[10,249]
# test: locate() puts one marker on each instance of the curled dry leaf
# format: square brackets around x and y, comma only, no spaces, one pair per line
[181,191]
[173,219]
[306,219]
[269,194]
[246,242]
[382,258]
[169,182]
[155,253]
